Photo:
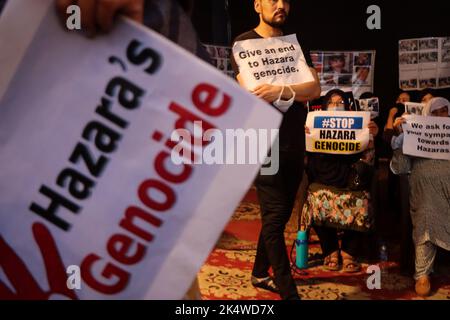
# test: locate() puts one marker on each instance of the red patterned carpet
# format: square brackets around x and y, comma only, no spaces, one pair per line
[226,273]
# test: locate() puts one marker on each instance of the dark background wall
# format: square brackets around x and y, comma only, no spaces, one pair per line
[337,25]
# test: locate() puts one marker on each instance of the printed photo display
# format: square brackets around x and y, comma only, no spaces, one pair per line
[371,105]
[276,60]
[346,70]
[220,58]
[424,63]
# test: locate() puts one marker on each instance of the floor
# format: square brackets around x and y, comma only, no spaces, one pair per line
[226,273]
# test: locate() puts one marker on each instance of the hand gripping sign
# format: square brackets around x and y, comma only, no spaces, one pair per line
[337,132]
[87,177]
[277,60]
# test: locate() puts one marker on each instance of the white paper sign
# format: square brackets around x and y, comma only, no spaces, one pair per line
[277,60]
[427,137]
[415,108]
[86,177]
[337,132]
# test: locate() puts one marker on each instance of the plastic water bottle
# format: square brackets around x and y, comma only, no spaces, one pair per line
[383,253]
[383,257]
[301,246]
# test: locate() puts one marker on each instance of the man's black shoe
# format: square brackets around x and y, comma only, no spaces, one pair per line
[265,283]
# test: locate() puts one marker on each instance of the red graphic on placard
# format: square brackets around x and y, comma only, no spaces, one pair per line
[26,287]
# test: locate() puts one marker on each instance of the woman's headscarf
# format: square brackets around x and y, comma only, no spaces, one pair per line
[327,98]
[436,104]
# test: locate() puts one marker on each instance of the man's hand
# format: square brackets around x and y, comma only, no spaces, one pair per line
[98,15]
[303,92]
[267,92]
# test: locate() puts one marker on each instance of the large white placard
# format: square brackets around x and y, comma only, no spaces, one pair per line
[276,60]
[337,132]
[427,137]
[86,177]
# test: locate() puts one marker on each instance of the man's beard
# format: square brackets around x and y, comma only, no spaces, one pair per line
[275,24]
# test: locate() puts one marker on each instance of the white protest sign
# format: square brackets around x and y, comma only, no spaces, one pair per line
[276,60]
[86,175]
[337,132]
[427,137]
[415,108]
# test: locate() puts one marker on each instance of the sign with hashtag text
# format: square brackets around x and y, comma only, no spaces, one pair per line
[337,132]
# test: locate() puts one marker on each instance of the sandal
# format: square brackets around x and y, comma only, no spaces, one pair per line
[331,262]
[349,263]
[423,286]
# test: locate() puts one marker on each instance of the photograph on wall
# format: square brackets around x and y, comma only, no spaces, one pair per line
[424,63]
[220,58]
[345,70]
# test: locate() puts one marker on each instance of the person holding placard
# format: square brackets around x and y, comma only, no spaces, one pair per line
[335,202]
[398,186]
[395,112]
[429,201]
[277,192]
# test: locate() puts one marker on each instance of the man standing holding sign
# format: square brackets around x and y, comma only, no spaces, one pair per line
[274,69]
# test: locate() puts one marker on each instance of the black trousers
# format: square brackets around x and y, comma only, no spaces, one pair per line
[276,194]
[329,241]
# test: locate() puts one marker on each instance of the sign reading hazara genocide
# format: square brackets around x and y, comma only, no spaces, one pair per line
[86,175]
